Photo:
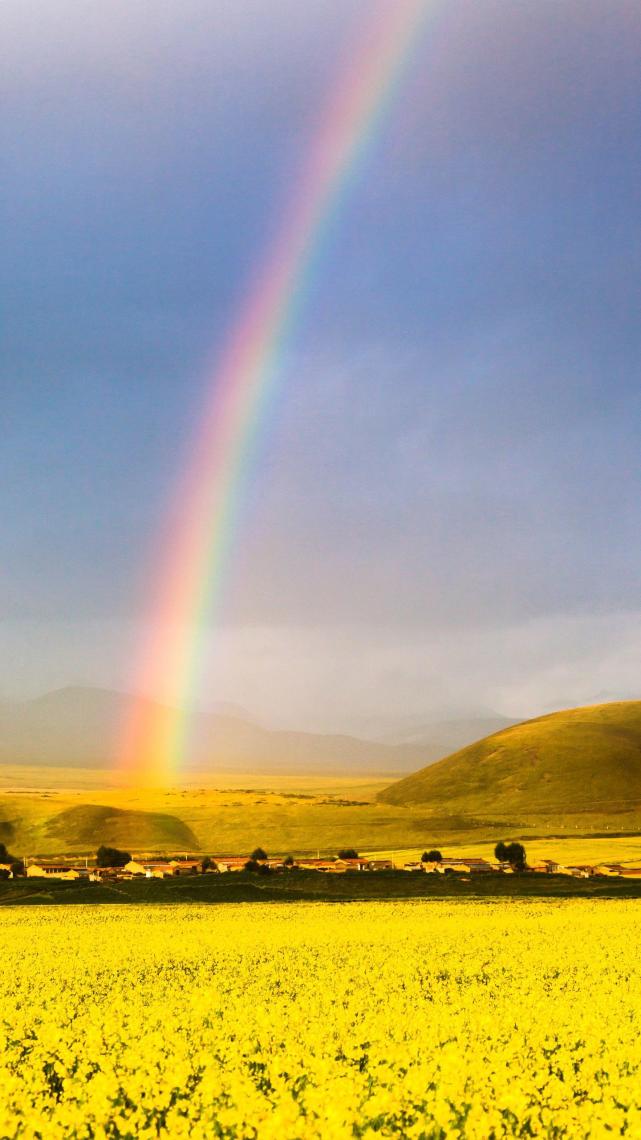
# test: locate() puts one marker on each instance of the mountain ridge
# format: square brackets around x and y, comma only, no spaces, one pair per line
[77,726]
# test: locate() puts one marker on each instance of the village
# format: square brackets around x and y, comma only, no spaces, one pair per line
[153,867]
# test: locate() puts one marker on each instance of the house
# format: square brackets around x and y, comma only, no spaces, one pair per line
[52,871]
[458,865]
[132,868]
[99,873]
[477,866]
[231,863]
[546,867]
[382,865]
[351,865]
[417,866]
[159,869]
[186,866]
[317,864]
[579,871]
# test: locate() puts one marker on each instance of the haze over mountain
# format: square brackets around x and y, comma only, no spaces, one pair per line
[584,760]
[78,726]
[451,732]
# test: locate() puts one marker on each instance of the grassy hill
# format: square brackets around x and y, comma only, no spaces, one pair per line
[89,825]
[584,761]
[63,812]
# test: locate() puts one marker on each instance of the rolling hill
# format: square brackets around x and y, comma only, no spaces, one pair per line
[584,760]
[89,825]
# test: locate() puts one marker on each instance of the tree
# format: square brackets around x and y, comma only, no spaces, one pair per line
[516,856]
[431,857]
[259,856]
[206,864]
[347,853]
[16,866]
[257,868]
[112,857]
[512,853]
[289,862]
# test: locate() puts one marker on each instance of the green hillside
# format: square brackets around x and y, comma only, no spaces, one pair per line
[90,825]
[580,761]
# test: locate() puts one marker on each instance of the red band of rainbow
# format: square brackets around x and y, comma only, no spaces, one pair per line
[202,520]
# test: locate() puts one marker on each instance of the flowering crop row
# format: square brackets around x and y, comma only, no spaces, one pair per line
[413,1019]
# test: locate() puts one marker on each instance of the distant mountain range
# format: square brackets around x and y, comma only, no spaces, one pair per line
[584,761]
[78,727]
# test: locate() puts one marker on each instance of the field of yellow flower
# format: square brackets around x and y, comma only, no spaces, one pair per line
[412,1019]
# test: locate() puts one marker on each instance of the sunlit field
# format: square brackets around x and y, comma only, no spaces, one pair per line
[59,812]
[334,1021]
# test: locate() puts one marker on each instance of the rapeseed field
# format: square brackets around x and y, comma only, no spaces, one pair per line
[282,1021]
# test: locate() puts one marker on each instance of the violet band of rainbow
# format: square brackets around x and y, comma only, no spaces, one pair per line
[199,536]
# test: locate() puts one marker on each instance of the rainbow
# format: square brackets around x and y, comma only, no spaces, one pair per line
[199,534]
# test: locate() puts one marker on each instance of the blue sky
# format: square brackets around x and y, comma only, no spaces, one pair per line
[444,508]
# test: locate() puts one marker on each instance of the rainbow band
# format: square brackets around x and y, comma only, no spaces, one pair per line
[202,520]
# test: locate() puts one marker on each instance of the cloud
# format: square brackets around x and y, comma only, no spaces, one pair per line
[448,475]
[348,679]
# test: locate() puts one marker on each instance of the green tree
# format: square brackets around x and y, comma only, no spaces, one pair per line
[258,855]
[112,857]
[512,853]
[516,856]
[257,868]
[348,853]
[431,857]
[289,862]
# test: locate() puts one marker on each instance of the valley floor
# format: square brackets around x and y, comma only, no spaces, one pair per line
[64,812]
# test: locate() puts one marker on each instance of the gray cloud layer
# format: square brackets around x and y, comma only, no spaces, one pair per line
[444,506]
